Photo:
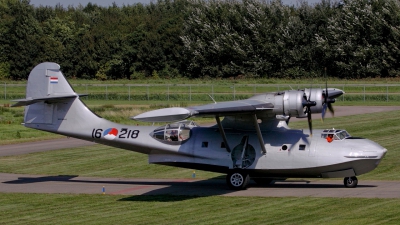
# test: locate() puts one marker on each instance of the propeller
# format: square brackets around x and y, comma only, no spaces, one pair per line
[327,101]
[308,105]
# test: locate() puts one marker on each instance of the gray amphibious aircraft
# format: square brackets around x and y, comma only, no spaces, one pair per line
[252,141]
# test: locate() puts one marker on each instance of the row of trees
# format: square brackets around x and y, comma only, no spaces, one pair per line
[203,38]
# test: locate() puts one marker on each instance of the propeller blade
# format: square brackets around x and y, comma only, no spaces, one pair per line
[323,112]
[309,119]
[326,89]
[327,102]
[287,121]
[330,107]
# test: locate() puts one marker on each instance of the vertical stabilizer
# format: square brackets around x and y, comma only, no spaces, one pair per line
[46,80]
[52,105]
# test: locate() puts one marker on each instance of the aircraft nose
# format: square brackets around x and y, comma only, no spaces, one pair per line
[367,149]
[383,153]
[375,149]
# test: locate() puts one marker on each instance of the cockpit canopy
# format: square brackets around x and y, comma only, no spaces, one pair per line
[174,132]
[336,134]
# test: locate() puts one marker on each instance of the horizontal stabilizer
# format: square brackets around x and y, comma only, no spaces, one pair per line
[164,115]
[30,101]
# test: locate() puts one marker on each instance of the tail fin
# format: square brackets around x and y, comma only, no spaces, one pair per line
[52,104]
[46,83]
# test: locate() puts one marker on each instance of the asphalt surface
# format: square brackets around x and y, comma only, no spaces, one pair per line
[23,183]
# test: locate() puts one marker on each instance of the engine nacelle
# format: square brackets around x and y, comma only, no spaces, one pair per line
[293,104]
[317,97]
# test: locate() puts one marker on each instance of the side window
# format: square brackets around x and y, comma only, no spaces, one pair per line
[302,147]
[174,133]
[336,137]
[159,134]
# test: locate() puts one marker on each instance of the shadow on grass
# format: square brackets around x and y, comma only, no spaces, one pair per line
[172,190]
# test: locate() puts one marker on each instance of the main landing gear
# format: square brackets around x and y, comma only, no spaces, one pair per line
[238,179]
[350,182]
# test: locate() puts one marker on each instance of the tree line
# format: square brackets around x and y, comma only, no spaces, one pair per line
[352,39]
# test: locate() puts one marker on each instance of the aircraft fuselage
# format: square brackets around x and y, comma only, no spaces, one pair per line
[290,152]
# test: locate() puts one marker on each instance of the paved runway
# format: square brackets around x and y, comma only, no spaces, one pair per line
[22,183]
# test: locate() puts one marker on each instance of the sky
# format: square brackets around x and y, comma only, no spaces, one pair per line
[107,3]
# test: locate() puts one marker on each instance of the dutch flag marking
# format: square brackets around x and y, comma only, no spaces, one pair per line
[53,80]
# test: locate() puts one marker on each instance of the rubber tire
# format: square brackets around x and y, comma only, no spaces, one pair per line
[237,180]
[263,181]
[350,182]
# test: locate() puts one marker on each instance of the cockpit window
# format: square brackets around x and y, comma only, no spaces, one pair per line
[174,132]
[333,134]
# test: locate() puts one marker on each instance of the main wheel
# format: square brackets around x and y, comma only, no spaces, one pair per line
[350,182]
[237,180]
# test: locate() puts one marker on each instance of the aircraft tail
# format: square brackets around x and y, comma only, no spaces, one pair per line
[52,105]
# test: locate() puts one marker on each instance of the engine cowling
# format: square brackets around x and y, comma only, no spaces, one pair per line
[293,104]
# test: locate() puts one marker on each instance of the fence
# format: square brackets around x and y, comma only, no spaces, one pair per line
[202,92]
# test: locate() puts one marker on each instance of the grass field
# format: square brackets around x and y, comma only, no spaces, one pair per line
[104,161]
[108,209]
[95,161]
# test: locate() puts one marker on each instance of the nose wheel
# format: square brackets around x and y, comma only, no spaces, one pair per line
[237,180]
[350,182]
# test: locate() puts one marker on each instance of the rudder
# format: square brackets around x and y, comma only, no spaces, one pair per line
[52,105]
[46,80]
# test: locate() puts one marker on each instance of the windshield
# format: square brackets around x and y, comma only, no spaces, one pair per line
[342,134]
[335,134]
[174,132]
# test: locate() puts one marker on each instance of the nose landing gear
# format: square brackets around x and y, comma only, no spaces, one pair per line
[350,182]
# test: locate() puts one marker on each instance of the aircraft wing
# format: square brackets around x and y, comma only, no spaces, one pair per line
[216,109]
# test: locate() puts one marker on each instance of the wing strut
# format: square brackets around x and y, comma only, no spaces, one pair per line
[260,138]
[222,131]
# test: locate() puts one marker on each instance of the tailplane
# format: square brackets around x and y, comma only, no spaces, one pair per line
[52,104]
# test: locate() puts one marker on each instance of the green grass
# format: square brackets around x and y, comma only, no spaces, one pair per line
[104,161]
[94,161]
[108,209]
[13,132]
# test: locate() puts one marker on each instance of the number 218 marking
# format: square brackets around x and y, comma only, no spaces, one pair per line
[125,133]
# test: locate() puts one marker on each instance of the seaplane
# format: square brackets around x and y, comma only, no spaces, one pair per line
[251,138]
